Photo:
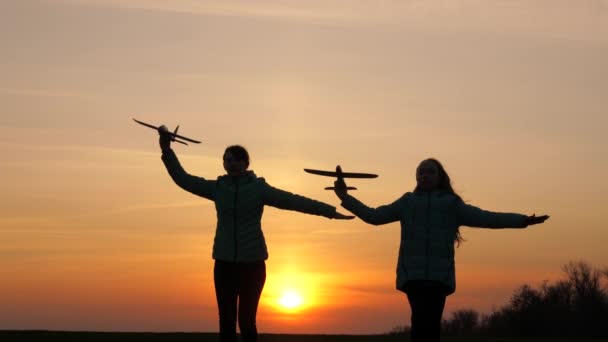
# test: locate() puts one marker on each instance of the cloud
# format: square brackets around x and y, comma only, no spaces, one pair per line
[88,149]
[368,289]
[578,20]
[31,92]
[272,9]
[146,207]
[343,231]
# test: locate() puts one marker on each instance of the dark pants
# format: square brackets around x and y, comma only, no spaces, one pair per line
[242,283]
[427,303]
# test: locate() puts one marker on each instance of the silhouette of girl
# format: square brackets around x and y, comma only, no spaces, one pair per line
[239,248]
[430,218]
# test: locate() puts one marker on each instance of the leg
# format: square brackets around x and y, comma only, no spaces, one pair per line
[226,294]
[416,306]
[253,277]
[427,304]
[436,303]
[438,313]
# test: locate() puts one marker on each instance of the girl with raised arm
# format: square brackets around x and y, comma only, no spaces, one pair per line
[430,218]
[239,248]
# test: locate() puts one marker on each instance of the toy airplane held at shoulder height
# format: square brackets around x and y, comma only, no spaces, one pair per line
[339,174]
[174,135]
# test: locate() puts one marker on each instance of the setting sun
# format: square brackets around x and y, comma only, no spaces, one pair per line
[291,291]
[291,300]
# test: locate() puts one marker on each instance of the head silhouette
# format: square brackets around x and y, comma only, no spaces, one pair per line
[431,176]
[236,160]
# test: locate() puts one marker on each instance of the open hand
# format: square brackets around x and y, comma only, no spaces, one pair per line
[536,219]
[339,216]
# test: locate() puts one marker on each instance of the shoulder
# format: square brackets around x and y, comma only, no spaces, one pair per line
[256,183]
[260,180]
[448,201]
[404,199]
[223,180]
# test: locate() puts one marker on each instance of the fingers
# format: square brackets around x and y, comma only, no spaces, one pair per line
[340,216]
[164,138]
[340,188]
[339,185]
[537,219]
[162,129]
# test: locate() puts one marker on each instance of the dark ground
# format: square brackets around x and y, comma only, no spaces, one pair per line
[52,336]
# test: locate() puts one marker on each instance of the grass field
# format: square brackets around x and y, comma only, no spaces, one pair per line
[7,336]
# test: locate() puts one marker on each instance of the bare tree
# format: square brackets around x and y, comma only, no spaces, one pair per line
[463,323]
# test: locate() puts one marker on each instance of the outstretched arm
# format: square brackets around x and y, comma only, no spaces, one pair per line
[381,215]
[286,200]
[196,185]
[475,217]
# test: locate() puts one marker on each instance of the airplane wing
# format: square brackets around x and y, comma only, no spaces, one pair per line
[145,124]
[170,133]
[187,139]
[343,174]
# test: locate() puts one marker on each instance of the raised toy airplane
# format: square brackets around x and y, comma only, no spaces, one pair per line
[173,134]
[339,174]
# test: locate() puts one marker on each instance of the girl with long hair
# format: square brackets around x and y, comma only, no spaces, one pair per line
[430,218]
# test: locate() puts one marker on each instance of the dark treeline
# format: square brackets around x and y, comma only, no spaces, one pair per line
[575,306]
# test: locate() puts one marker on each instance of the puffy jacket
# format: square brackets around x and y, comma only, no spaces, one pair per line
[429,221]
[239,202]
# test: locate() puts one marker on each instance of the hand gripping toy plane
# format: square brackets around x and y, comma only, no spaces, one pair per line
[174,136]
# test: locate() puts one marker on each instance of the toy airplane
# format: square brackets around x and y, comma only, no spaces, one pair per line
[339,174]
[174,135]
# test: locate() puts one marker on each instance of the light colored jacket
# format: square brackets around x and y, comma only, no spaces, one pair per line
[429,221]
[239,202]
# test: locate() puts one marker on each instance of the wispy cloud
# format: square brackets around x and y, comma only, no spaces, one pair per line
[269,9]
[73,148]
[68,224]
[579,20]
[368,289]
[32,92]
[343,231]
[147,207]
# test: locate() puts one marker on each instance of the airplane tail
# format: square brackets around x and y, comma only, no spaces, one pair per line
[174,133]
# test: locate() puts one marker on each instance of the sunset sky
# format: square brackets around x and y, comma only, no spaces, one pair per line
[512,97]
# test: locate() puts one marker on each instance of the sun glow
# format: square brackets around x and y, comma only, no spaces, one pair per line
[291,292]
[291,300]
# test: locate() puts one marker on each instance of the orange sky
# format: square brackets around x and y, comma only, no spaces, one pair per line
[510,96]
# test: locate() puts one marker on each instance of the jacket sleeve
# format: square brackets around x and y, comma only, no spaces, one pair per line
[196,185]
[380,215]
[286,200]
[472,216]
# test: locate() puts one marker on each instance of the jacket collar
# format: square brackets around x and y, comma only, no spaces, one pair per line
[433,193]
[248,177]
